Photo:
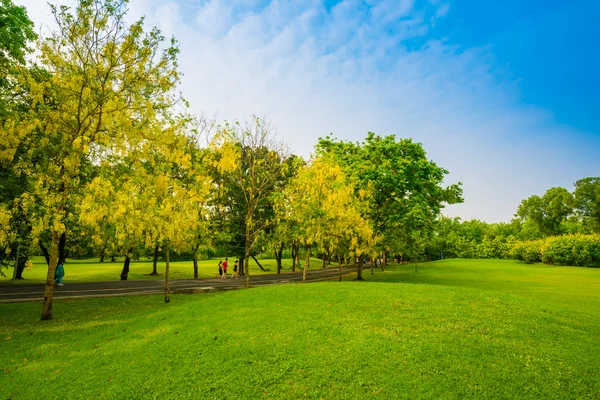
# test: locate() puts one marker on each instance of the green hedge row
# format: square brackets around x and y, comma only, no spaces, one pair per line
[578,249]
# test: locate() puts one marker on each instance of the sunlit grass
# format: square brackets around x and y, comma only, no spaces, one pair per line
[456,329]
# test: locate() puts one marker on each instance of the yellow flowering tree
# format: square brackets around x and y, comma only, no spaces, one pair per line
[322,211]
[107,90]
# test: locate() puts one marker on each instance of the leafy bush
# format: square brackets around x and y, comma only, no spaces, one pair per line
[578,249]
[529,251]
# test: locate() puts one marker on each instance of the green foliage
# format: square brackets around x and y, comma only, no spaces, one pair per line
[549,211]
[529,251]
[406,188]
[577,249]
[587,198]
[16,30]
[580,250]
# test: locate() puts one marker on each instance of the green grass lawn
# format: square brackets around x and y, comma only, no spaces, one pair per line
[91,270]
[456,329]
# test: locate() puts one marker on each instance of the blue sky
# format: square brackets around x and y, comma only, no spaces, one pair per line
[503,94]
[550,46]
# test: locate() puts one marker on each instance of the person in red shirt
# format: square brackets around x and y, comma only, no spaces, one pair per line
[225,264]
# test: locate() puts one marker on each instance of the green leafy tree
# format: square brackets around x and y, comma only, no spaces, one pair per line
[258,163]
[16,32]
[549,212]
[406,191]
[587,200]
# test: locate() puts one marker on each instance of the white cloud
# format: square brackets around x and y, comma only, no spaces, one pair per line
[312,71]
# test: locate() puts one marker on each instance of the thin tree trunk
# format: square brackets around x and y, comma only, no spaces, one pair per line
[247,250]
[339,262]
[125,271]
[20,265]
[112,259]
[102,254]
[323,261]
[278,256]
[49,288]
[296,261]
[258,263]
[385,263]
[154,262]
[293,257]
[241,270]
[61,248]
[246,260]
[167,272]
[306,263]
[195,259]
[359,268]
[45,253]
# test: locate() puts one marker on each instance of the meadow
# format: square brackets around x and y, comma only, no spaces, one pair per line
[456,329]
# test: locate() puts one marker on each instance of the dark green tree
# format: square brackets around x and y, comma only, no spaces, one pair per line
[407,192]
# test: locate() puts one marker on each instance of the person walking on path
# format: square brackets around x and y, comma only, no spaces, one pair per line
[235,269]
[58,275]
[225,265]
[220,269]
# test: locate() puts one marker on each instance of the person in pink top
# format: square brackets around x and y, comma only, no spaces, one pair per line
[225,264]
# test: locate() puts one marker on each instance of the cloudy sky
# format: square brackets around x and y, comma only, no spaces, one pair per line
[505,95]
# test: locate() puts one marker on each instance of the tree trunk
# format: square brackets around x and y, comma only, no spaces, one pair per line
[154,262]
[323,261]
[45,253]
[384,264]
[167,272]
[278,256]
[373,265]
[258,263]
[61,248]
[112,259]
[195,259]
[293,257]
[296,260]
[125,271]
[247,250]
[306,263]
[22,261]
[102,254]
[49,288]
[241,267]
[340,263]
[246,260]
[359,268]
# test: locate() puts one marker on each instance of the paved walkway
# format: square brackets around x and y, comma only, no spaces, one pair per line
[35,292]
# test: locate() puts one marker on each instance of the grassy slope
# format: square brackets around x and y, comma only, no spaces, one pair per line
[330,340]
[93,271]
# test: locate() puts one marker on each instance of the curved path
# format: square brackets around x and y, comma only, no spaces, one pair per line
[35,292]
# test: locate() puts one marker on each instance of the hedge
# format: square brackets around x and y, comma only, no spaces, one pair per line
[578,249]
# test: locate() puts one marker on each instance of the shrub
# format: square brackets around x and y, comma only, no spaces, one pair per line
[529,251]
[578,249]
